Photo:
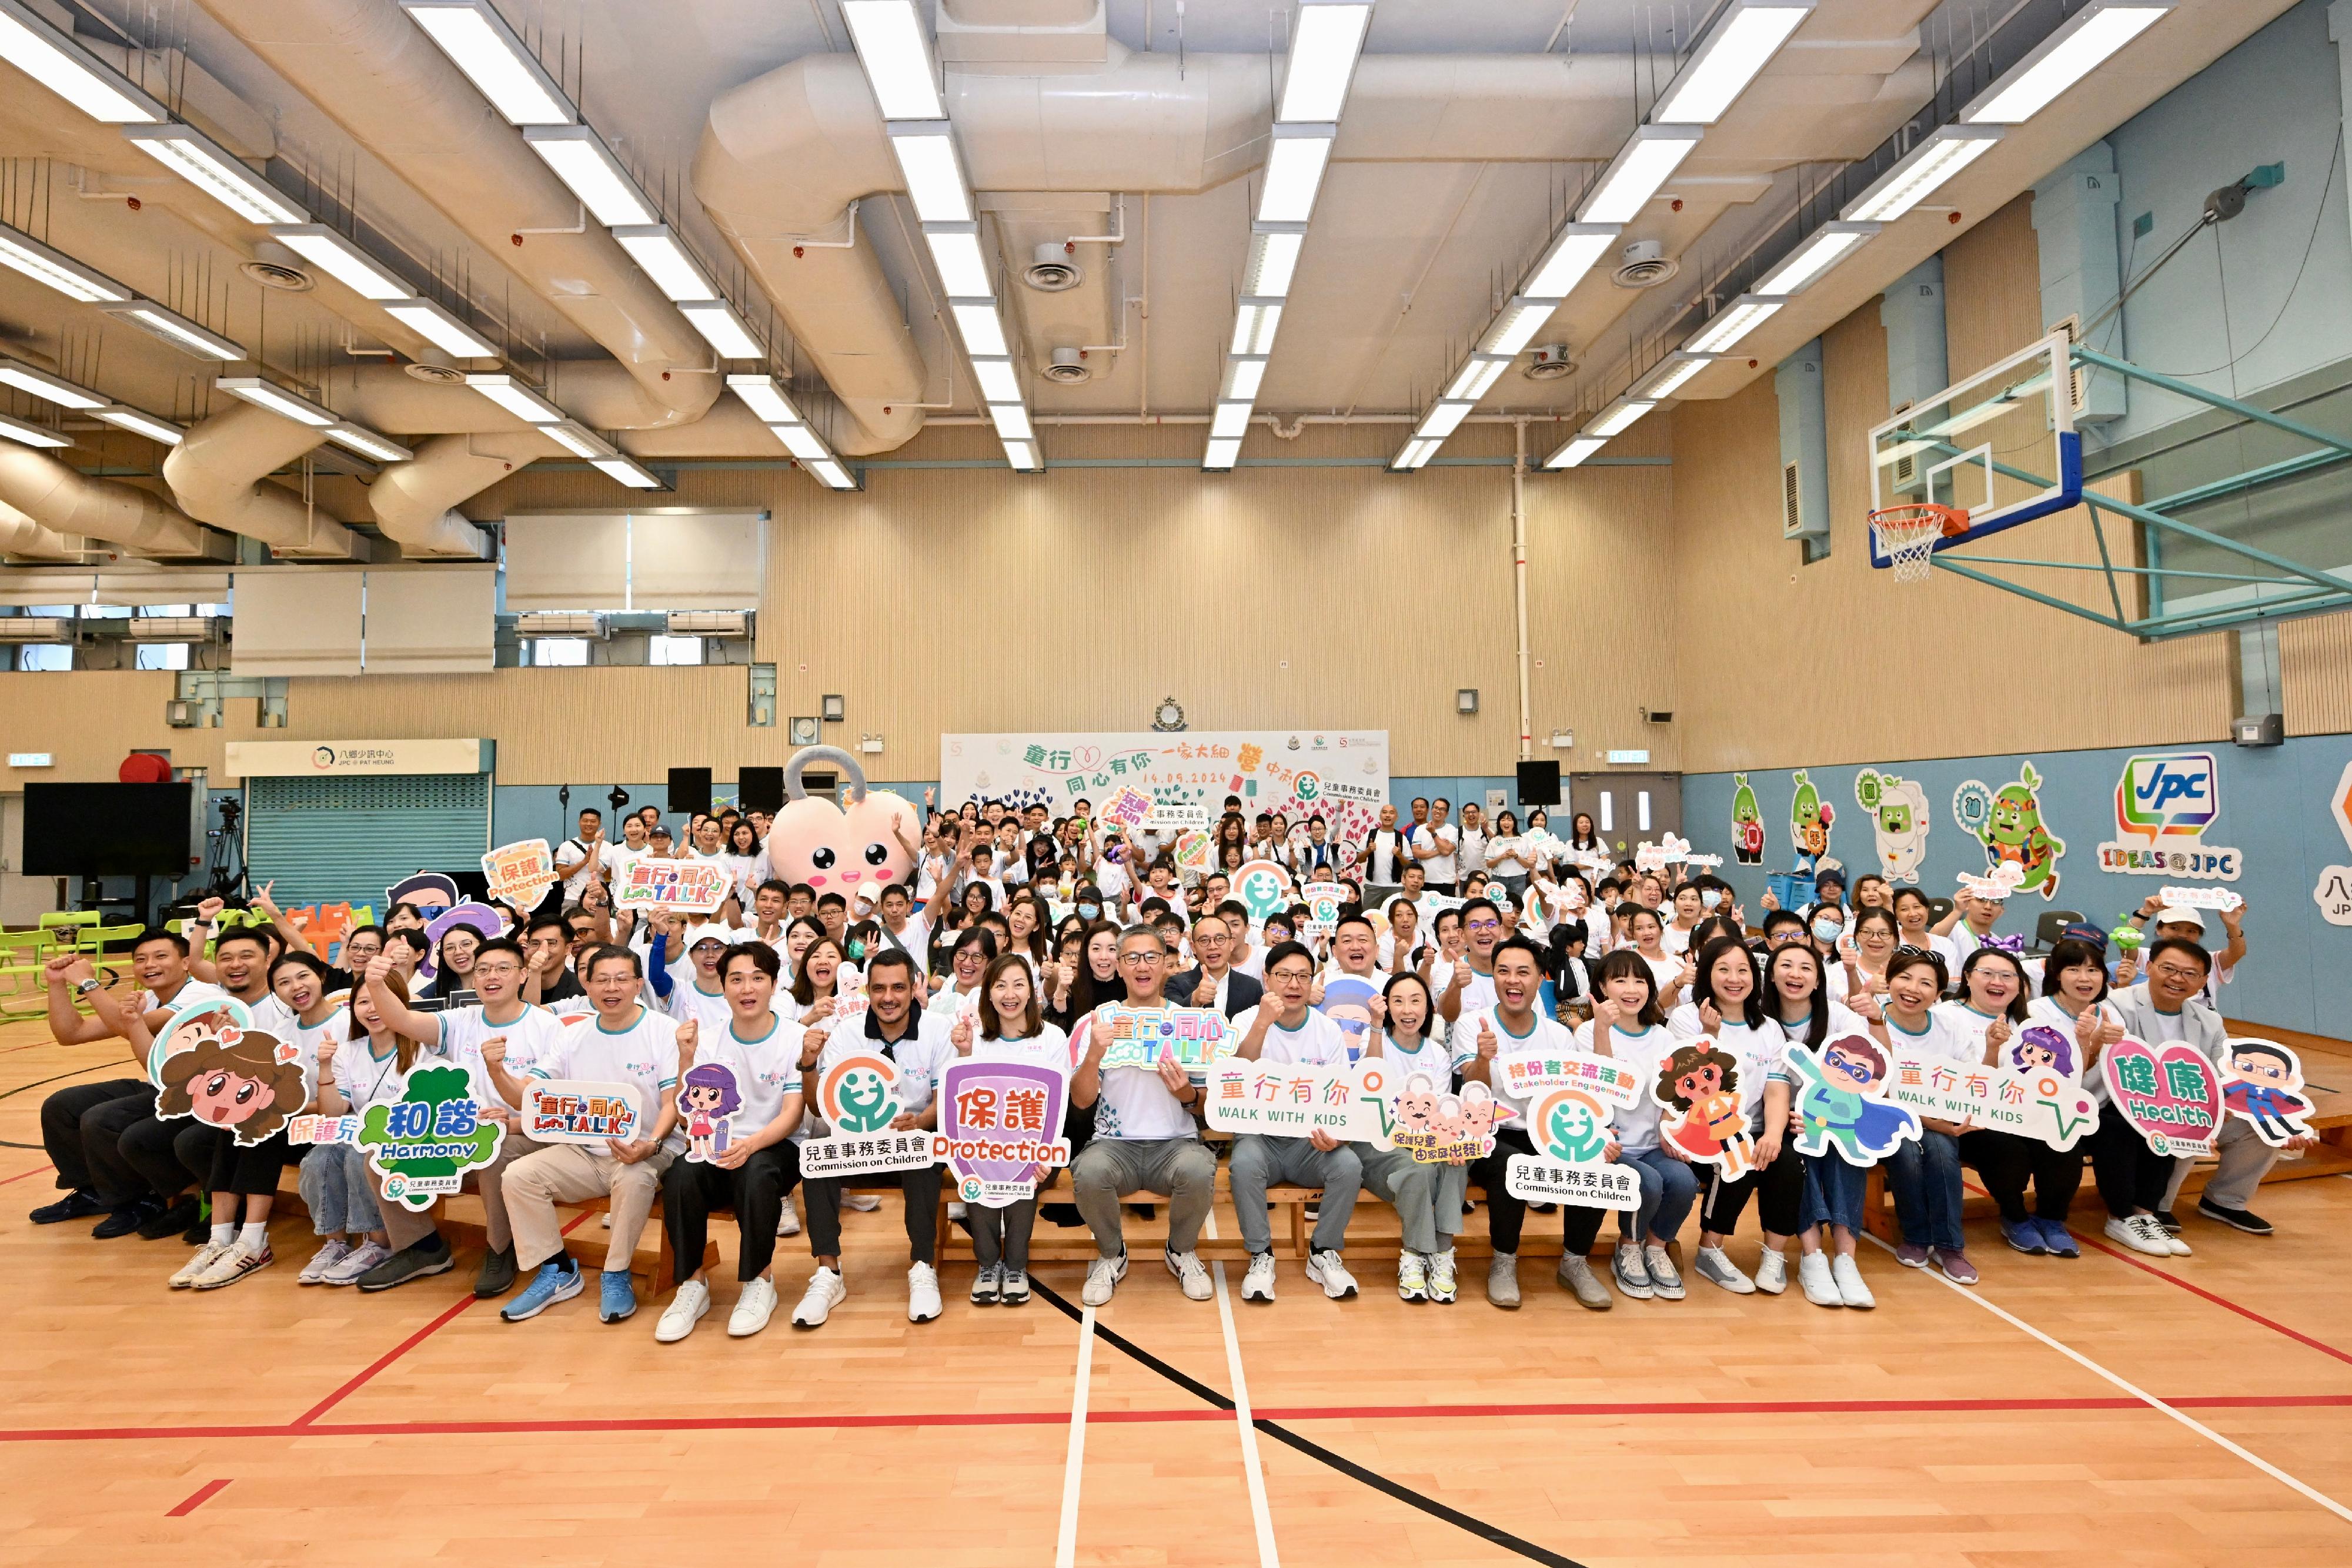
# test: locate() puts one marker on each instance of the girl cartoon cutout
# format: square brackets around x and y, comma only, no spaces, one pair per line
[232,1079]
[1703,1084]
[707,1102]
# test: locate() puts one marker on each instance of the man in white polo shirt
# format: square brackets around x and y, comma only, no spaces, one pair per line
[1433,843]
[1285,1029]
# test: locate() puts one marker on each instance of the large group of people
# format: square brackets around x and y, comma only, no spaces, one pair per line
[1460,941]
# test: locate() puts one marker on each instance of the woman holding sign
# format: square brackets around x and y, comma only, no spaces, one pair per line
[1800,1003]
[1628,1026]
[1009,1030]
[1727,1009]
[1925,1177]
[1427,1197]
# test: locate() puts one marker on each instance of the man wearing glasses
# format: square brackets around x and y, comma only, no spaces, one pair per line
[1471,985]
[1285,1029]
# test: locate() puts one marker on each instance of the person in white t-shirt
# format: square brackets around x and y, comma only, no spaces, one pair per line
[1008,1027]
[1386,854]
[1727,1009]
[1285,1029]
[1924,1175]
[625,1044]
[614,863]
[1427,1197]
[369,1065]
[579,860]
[1433,846]
[1796,999]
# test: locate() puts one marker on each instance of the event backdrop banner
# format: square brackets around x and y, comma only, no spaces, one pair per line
[1344,774]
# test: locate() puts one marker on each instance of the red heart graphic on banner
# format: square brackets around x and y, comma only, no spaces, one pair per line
[2172,1096]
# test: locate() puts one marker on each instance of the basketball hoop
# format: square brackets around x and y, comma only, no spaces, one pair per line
[1907,535]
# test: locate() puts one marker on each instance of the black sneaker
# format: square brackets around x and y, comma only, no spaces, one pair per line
[414,1262]
[78,1204]
[2252,1223]
[127,1218]
[497,1275]
[173,1220]
[2164,1216]
[1064,1215]
[199,1231]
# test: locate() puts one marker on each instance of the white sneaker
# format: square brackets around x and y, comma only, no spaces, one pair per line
[1440,1276]
[1772,1272]
[192,1270]
[1716,1267]
[1816,1280]
[1187,1268]
[2172,1244]
[956,1211]
[2141,1233]
[1103,1276]
[788,1220]
[825,1292]
[753,1308]
[922,1293]
[987,1285]
[1326,1269]
[1257,1285]
[314,1272]
[1851,1290]
[1665,1282]
[862,1202]
[361,1259]
[234,1264]
[1413,1277]
[1633,1277]
[677,1319]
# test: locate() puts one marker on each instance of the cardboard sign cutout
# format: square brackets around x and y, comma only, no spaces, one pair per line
[421,1146]
[1994,887]
[708,1099]
[859,1097]
[1285,1099]
[1128,807]
[2164,802]
[1747,823]
[2009,824]
[1842,1103]
[831,849]
[478,918]
[211,1065]
[1263,887]
[2032,1091]
[520,874]
[1000,1129]
[1898,821]
[2214,898]
[2261,1085]
[428,890]
[693,887]
[1440,1129]
[1347,1002]
[1698,1090]
[566,1110]
[1570,1128]
[1195,1037]
[1809,817]
[2171,1095]
[1194,852]
[1323,900]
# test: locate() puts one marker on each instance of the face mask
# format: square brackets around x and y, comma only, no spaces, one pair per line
[856,951]
[1708,898]
[1089,910]
[1828,930]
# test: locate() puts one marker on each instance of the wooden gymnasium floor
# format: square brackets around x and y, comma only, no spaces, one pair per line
[2099,1411]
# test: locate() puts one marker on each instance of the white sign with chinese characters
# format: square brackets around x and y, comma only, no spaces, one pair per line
[1282,1100]
[2043,1105]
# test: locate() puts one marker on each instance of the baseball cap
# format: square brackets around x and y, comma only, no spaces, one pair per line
[2083,931]
[2179,915]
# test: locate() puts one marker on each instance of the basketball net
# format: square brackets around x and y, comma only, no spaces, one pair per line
[1907,536]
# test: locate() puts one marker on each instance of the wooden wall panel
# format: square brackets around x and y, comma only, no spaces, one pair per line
[1993,290]
[2316,671]
[88,720]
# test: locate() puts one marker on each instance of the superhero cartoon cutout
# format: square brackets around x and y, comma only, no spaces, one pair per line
[1842,1105]
[708,1099]
[814,842]
[2261,1084]
[211,1065]
[1697,1090]
[428,891]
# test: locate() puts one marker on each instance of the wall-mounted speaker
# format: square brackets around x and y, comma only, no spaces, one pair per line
[689,788]
[761,788]
[1538,784]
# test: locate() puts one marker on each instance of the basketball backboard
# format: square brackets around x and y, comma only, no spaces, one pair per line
[1999,445]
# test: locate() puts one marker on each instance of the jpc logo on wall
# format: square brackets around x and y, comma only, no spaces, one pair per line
[2164,803]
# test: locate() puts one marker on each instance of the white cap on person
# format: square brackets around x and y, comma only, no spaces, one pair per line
[2179,915]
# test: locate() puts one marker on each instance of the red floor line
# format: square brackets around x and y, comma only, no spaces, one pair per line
[403,1348]
[197,1499]
[20,1176]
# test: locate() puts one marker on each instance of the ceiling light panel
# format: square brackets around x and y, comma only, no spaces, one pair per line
[832,474]
[1734,52]
[765,399]
[359,438]
[517,399]
[141,421]
[1573,253]
[661,255]
[211,168]
[1728,325]
[935,182]
[1815,254]
[576,439]
[1244,374]
[590,172]
[189,337]
[1921,173]
[58,270]
[1443,420]
[341,260]
[962,264]
[1672,375]
[2073,49]
[1012,420]
[982,332]
[1414,453]
[998,381]
[1619,417]
[627,470]
[279,400]
[1326,37]
[1647,161]
[1577,449]
[1229,422]
[889,37]
[1483,372]
[723,330]
[48,388]
[1255,325]
[1295,161]
[439,327]
[28,435]
[479,43]
[801,442]
[1223,454]
[1272,259]
[1022,456]
[52,58]
[1518,325]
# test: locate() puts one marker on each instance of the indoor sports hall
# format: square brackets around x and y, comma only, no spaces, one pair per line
[1207,782]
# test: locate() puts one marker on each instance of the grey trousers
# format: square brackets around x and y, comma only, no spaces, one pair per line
[1260,1161]
[1427,1198]
[2245,1160]
[1108,1169]
[1001,1236]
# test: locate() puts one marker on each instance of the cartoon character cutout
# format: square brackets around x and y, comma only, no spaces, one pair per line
[2041,1049]
[429,891]
[1417,1104]
[708,1099]
[2264,1086]
[2013,833]
[1898,820]
[1347,1002]
[1809,817]
[1747,823]
[1701,1081]
[213,1067]
[1841,1102]
[814,842]
[479,918]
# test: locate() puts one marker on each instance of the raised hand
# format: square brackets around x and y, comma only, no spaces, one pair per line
[1379,1008]
[961,1035]
[811,1047]
[1488,1045]
[1997,1033]
[209,910]
[378,968]
[1709,1019]
[494,1051]
[327,1048]
[688,1034]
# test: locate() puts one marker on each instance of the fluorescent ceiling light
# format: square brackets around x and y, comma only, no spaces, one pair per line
[590,172]
[801,442]
[576,439]
[1577,449]
[1619,417]
[1229,422]
[764,397]
[48,388]
[211,170]
[935,182]
[998,383]
[1670,377]
[1223,454]
[517,399]
[177,329]
[1820,251]
[58,270]
[441,329]
[1517,327]
[1443,420]
[1272,259]
[359,438]
[1294,172]
[1741,316]
[1012,420]
[833,475]
[1647,161]
[1471,383]
[1921,173]
[963,266]
[25,434]
[660,254]
[1571,255]
[57,62]
[983,334]
[2073,49]
[722,330]
[1243,375]
[1324,42]
[1254,324]
[143,423]
[341,259]
[1734,52]
[1021,455]
[890,45]
[627,470]
[279,400]
[479,43]
[1415,452]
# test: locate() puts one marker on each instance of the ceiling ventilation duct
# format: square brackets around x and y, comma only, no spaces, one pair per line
[1054,270]
[1549,363]
[1645,265]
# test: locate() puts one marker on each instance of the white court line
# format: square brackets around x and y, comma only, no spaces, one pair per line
[1251,1468]
[1065,1551]
[2145,1397]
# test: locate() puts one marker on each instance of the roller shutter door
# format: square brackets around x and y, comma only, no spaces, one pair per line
[326,840]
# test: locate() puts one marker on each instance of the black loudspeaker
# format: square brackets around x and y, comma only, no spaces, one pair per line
[1538,784]
[759,788]
[689,788]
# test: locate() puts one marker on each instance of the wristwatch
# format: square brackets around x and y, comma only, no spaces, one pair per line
[84,988]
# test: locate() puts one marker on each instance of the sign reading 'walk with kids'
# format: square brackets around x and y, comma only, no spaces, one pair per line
[2165,804]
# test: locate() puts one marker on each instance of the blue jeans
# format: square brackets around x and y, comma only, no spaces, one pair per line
[1925,1178]
[1669,1188]
[1833,1194]
[340,1190]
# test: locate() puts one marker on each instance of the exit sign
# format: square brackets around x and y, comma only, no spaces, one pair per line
[1628,757]
[30,759]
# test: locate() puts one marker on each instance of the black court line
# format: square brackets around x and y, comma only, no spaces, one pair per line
[12,1093]
[1317,1451]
